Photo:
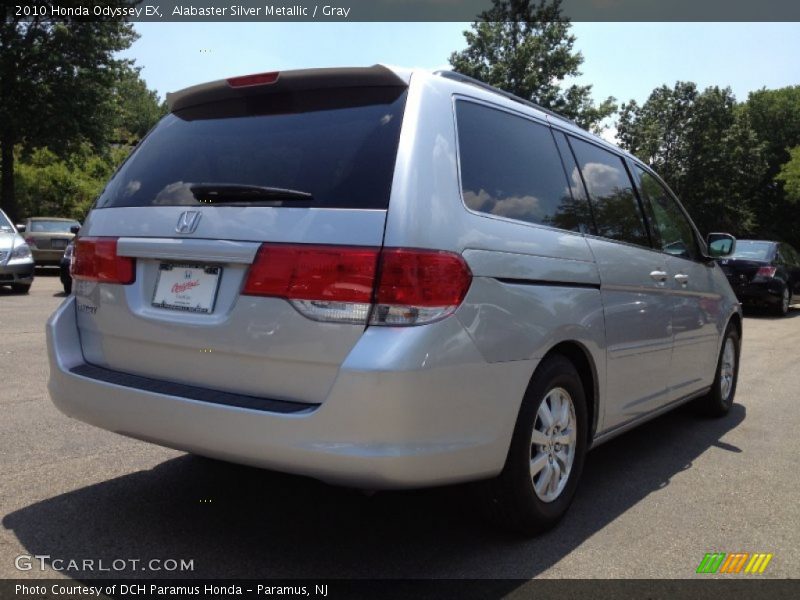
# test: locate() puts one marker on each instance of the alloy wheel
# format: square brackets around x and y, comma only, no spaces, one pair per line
[727,370]
[553,444]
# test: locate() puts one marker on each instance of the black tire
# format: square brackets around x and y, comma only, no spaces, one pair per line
[510,500]
[21,288]
[782,308]
[714,404]
[67,286]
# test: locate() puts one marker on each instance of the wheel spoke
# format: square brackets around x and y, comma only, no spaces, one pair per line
[563,419]
[555,405]
[539,438]
[538,463]
[545,415]
[544,479]
[555,479]
[561,455]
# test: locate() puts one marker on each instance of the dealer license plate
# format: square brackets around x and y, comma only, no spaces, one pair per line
[190,288]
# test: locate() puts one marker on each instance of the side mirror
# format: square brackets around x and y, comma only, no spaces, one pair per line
[720,245]
[75,229]
[20,227]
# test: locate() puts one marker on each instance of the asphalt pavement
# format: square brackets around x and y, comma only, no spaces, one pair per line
[651,504]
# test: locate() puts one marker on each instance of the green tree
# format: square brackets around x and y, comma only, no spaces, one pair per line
[524,47]
[703,144]
[137,107]
[775,117]
[47,184]
[55,78]
[789,175]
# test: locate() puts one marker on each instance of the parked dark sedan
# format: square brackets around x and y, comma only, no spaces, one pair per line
[764,273]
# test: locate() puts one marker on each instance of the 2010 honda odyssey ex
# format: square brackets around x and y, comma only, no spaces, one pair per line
[389,279]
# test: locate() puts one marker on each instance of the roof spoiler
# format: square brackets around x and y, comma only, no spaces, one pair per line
[284,81]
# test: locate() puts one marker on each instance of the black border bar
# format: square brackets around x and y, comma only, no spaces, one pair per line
[252,11]
[709,587]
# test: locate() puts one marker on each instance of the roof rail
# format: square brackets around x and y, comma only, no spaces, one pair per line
[455,76]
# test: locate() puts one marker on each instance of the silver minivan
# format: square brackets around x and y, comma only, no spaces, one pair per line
[389,279]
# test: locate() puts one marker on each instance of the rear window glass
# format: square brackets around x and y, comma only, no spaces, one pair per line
[338,145]
[51,226]
[510,167]
[753,250]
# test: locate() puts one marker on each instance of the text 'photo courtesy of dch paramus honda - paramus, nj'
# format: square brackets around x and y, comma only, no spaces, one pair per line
[402,279]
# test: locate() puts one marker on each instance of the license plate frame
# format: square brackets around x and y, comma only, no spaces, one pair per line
[59,244]
[200,298]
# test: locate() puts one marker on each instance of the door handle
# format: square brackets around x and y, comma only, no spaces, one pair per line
[682,278]
[659,276]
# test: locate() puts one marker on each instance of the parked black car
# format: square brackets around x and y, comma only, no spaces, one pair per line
[764,273]
[66,261]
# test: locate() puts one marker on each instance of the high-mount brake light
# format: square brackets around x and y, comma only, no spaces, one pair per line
[255,79]
[96,259]
[351,284]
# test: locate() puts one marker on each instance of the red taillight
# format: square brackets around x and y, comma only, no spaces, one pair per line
[337,283]
[425,278]
[766,272]
[256,79]
[306,272]
[96,259]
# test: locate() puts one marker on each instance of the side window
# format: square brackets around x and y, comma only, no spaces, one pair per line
[675,234]
[510,167]
[616,210]
[578,206]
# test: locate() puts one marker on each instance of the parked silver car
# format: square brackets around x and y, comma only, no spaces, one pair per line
[16,260]
[390,279]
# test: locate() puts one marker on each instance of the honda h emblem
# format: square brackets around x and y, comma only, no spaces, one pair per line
[188,221]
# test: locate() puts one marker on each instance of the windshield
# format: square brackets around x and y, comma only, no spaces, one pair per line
[748,250]
[337,147]
[5,224]
[39,226]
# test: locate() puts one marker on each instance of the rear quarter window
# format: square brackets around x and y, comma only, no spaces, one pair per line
[510,167]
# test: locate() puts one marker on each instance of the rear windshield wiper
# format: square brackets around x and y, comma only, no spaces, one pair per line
[233,193]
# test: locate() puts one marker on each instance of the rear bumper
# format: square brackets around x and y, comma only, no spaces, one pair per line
[17,273]
[763,293]
[415,424]
[47,257]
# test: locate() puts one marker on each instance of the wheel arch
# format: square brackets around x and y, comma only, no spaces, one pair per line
[736,320]
[583,362]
